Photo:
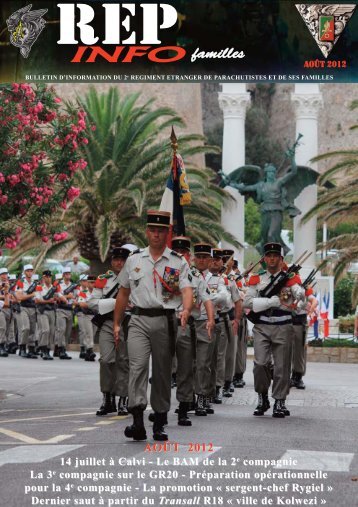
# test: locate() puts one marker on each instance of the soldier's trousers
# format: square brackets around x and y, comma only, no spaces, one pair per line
[224,333]
[230,354]
[7,334]
[64,321]
[26,322]
[113,363]
[299,351]
[185,365]
[205,349]
[149,336]
[85,330]
[241,351]
[275,340]
[47,327]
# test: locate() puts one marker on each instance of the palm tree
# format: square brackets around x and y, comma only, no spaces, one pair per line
[339,205]
[128,164]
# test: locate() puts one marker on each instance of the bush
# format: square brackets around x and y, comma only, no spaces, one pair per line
[343,296]
[346,324]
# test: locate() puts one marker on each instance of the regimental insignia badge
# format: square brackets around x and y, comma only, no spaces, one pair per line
[25,27]
[326,22]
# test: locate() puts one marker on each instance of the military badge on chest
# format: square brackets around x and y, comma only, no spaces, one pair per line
[170,283]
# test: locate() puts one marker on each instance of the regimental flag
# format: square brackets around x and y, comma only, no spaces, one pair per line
[326,22]
[175,196]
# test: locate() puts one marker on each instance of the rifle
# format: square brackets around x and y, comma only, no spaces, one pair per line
[276,285]
[69,289]
[309,279]
[32,288]
[99,319]
[248,270]
[50,293]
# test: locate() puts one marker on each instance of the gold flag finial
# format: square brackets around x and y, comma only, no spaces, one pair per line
[173,141]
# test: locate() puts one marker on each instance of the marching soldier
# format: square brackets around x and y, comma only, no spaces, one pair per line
[5,312]
[26,319]
[46,314]
[113,369]
[187,348]
[299,350]
[206,361]
[272,333]
[241,348]
[157,281]
[65,296]
[84,317]
[234,315]
[223,327]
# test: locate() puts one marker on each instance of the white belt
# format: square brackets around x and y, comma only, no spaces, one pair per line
[282,318]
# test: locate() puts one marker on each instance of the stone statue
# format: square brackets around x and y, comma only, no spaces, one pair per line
[275,193]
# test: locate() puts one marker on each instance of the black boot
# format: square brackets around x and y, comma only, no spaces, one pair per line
[151,418]
[263,404]
[31,354]
[284,408]
[137,429]
[209,409]
[12,348]
[278,409]
[90,355]
[238,380]
[113,403]
[106,407]
[122,405]
[158,427]
[200,407]
[299,381]
[44,353]
[55,351]
[218,395]
[226,390]
[174,380]
[62,354]
[37,349]
[49,357]
[82,352]
[3,352]
[183,419]
[22,351]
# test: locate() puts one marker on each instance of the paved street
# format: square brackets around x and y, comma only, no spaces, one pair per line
[53,446]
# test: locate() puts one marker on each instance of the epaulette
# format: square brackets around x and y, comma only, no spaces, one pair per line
[254,279]
[239,284]
[309,292]
[100,283]
[293,279]
[38,288]
[134,252]
[176,254]
[194,271]
[107,275]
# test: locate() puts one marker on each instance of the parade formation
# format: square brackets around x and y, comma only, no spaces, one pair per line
[187,308]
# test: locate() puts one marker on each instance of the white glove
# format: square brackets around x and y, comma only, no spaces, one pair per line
[262,304]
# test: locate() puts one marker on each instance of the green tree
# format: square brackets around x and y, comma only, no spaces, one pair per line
[252,222]
[343,296]
[128,164]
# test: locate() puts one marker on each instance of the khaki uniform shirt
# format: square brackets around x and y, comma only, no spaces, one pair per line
[155,284]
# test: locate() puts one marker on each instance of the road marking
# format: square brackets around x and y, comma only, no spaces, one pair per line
[34,454]
[318,460]
[104,423]
[118,417]
[89,428]
[43,418]
[31,440]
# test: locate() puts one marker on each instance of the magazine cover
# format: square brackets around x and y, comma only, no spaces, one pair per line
[178,268]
